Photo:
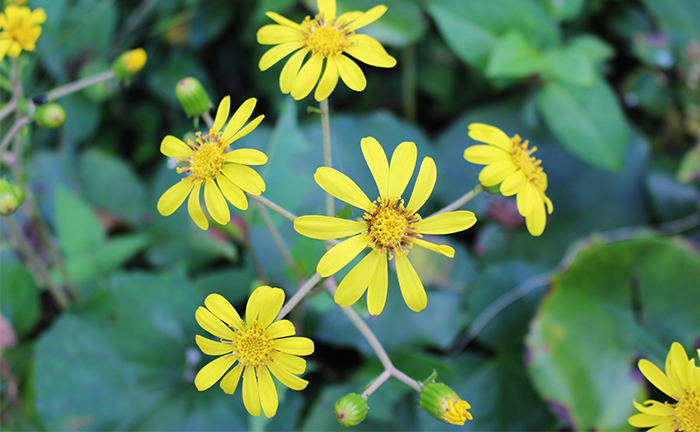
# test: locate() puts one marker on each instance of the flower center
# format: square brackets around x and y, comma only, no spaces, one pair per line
[529,165]
[456,412]
[325,38]
[688,412]
[254,346]
[390,225]
[208,159]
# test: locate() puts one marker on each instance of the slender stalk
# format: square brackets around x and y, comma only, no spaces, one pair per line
[207,119]
[274,207]
[277,238]
[327,161]
[16,127]
[75,86]
[461,201]
[408,82]
[8,109]
[300,294]
[377,383]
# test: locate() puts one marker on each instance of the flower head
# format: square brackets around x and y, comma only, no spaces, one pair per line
[442,402]
[257,346]
[509,163]
[223,173]
[389,227]
[329,40]
[19,29]
[681,382]
[130,63]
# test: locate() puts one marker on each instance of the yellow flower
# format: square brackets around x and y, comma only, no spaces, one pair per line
[681,382]
[130,63]
[260,345]
[389,228]
[509,163]
[223,173]
[19,29]
[329,39]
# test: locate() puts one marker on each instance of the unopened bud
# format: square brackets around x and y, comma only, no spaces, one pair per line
[442,402]
[192,97]
[493,190]
[350,410]
[129,63]
[9,197]
[50,115]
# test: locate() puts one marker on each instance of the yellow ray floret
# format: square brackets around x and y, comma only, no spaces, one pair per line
[19,29]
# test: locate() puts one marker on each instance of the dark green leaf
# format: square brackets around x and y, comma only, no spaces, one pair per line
[79,231]
[20,295]
[514,57]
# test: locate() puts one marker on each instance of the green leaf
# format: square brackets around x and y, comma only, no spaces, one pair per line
[20,295]
[570,67]
[592,47]
[564,10]
[679,18]
[514,57]
[615,302]
[669,199]
[79,231]
[117,250]
[588,121]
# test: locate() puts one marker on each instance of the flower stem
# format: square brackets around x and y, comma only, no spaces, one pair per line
[274,207]
[75,86]
[16,127]
[277,238]
[461,201]
[207,119]
[327,161]
[300,294]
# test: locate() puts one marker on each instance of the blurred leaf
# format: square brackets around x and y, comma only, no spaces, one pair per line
[79,231]
[592,47]
[648,90]
[117,250]
[587,121]
[82,116]
[690,166]
[514,57]
[20,295]
[679,18]
[403,23]
[568,66]
[669,199]
[565,10]
[165,74]
[615,302]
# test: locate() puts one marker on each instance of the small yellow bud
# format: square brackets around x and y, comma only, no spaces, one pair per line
[129,63]
[442,402]
[350,410]
[192,96]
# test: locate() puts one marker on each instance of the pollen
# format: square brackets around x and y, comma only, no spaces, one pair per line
[325,38]
[529,165]
[688,412]
[208,159]
[390,226]
[254,346]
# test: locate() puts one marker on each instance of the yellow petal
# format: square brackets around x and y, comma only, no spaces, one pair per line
[646,420]
[340,255]
[441,249]
[376,293]
[403,162]
[209,322]
[513,183]
[283,21]
[446,223]
[328,81]
[246,130]
[223,310]
[327,9]
[268,392]
[495,173]
[286,378]
[368,17]
[173,147]
[4,47]
[485,154]
[679,364]
[215,202]
[277,53]
[425,182]
[290,363]
[307,77]
[213,348]
[342,187]
[195,209]
[325,227]
[491,135]
[239,118]
[230,381]
[411,287]
[371,56]
[357,280]
[222,113]
[245,177]
[174,197]
[347,17]
[211,373]
[537,219]
[377,163]
[526,199]
[273,34]
[656,377]
[351,73]
[246,157]
[251,392]
[280,329]
[654,408]
[232,192]
[38,16]
[291,70]
[256,302]
[294,345]
[273,304]
[548,202]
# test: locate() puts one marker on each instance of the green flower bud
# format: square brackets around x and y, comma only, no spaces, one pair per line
[50,115]
[9,197]
[493,190]
[192,97]
[129,63]
[350,410]
[442,402]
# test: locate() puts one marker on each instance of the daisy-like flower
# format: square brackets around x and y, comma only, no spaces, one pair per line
[19,29]
[223,173]
[261,346]
[681,382]
[329,40]
[509,162]
[389,228]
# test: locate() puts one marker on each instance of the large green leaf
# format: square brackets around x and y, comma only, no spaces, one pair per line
[514,57]
[588,121]
[19,293]
[614,303]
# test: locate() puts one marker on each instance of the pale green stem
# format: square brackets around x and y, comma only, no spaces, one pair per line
[377,383]
[8,109]
[16,127]
[327,161]
[277,238]
[461,201]
[300,294]
[75,86]
[207,119]
[274,207]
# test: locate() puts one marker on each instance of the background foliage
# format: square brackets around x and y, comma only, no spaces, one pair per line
[606,89]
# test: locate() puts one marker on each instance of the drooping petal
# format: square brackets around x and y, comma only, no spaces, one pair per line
[291,70]
[215,202]
[307,77]
[283,21]
[348,16]
[230,381]
[446,223]
[357,280]
[245,177]
[378,285]
[328,81]
[251,392]
[174,147]
[377,163]
[350,73]
[425,182]
[211,373]
[277,53]
[239,118]
[403,162]
[327,9]
[256,303]
[368,17]
[280,329]
[273,304]
[646,420]
[411,287]
[490,135]
[341,254]
[326,227]
[209,322]
[291,363]
[294,345]
[679,365]
[655,408]
[246,156]
[526,199]
[246,130]
[174,197]
[369,55]
[195,209]
[222,113]
[441,249]
[213,348]
[537,219]
[513,183]
[223,310]
[268,392]
[273,34]
[495,173]
[232,192]
[656,376]
[342,187]
[286,378]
